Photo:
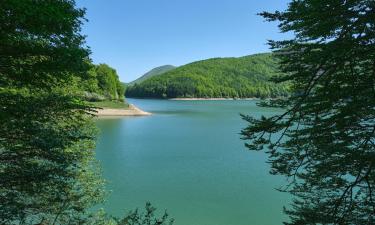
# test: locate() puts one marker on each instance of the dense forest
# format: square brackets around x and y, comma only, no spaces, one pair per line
[48,171]
[219,77]
[102,83]
[154,72]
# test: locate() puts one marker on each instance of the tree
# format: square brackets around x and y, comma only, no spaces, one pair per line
[324,141]
[145,218]
[47,169]
[218,77]
[109,83]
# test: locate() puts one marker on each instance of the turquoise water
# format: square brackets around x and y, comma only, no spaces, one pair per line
[188,158]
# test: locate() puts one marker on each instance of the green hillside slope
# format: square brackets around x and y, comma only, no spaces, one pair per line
[242,77]
[154,72]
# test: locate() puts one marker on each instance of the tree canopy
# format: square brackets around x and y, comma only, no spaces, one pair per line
[324,141]
[47,170]
[48,173]
[220,77]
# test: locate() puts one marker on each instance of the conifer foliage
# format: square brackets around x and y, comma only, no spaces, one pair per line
[324,141]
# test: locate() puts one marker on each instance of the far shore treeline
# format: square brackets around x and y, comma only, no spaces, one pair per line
[243,77]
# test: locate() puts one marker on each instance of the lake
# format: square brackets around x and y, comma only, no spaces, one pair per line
[188,158]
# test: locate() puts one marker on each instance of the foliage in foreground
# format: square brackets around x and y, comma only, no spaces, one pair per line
[135,217]
[147,217]
[47,170]
[220,77]
[327,143]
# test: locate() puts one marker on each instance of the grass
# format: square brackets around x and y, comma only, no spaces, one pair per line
[111,104]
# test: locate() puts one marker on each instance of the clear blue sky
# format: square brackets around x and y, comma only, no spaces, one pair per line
[134,36]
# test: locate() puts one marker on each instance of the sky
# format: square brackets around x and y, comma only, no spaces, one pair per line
[135,36]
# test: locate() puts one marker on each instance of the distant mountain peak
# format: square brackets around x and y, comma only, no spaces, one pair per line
[154,72]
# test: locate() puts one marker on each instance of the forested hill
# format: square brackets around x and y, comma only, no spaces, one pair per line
[154,72]
[102,83]
[219,77]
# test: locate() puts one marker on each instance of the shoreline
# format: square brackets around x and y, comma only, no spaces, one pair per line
[131,111]
[210,99]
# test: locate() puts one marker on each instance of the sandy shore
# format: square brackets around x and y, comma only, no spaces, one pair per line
[131,111]
[210,99]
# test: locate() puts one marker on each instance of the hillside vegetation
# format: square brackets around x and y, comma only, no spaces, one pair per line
[219,77]
[102,84]
[154,72]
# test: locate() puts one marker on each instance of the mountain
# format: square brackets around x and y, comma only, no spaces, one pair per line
[242,77]
[154,72]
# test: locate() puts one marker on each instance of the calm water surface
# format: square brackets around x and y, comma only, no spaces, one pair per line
[188,158]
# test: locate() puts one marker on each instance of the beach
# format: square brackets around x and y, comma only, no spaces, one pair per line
[131,111]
